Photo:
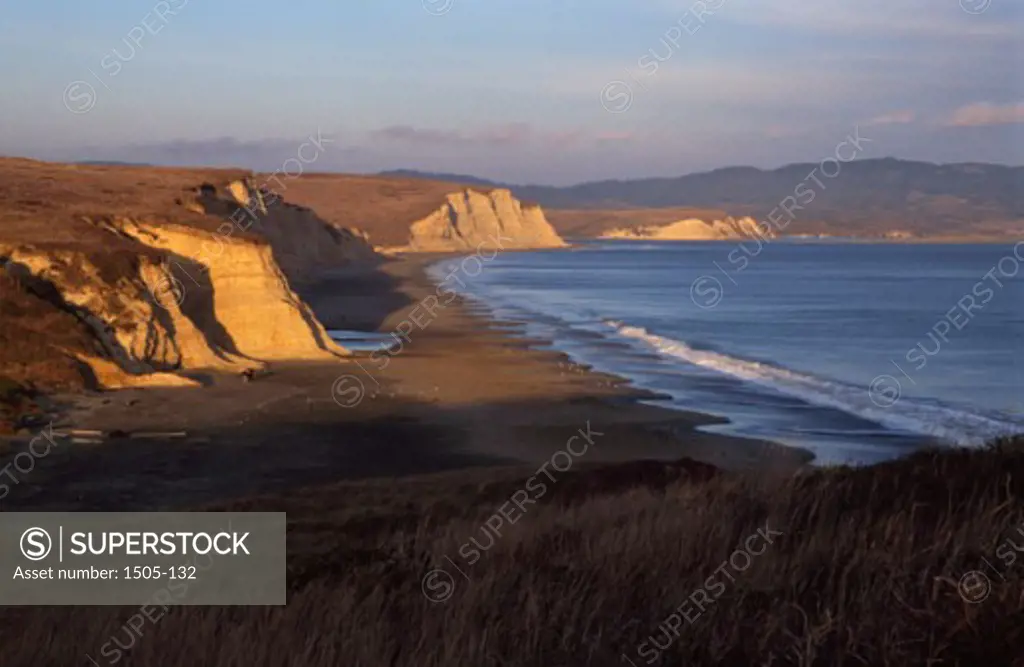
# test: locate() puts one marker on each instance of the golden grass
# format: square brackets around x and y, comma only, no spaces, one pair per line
[865,572]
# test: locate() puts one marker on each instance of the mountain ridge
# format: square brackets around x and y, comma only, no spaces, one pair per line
[869,197]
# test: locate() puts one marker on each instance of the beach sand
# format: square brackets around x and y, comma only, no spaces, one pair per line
[462,392]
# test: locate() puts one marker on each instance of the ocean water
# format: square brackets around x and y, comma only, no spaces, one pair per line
[856,352]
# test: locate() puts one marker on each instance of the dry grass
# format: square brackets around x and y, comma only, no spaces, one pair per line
[384,207]
[34,336]
[45,202]
[865,572]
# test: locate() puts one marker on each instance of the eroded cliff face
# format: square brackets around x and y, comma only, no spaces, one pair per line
[167,297]
[138,333]
[235,291]
[303,244]
[691,229]
[472,220]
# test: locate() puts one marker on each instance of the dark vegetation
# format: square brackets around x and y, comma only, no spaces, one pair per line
[37,344]
[867,571]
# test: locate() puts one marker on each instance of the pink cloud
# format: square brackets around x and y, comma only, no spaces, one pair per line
[415,135]
[894,118]
[511,133]
[986,113]
[566,138]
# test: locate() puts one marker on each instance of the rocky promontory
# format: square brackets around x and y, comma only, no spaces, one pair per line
[415,215]
[690,229]
[119,276]
[149,275]
[471,220]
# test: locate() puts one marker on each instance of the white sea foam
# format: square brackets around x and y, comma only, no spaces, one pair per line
[945,422]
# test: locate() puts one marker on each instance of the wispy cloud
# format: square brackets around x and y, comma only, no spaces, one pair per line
[262,154]
[880,17]
[894,118]
[508,134]
[987,113]
[418,135]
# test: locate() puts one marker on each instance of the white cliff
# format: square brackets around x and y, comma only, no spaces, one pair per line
[691,229]
[471,220]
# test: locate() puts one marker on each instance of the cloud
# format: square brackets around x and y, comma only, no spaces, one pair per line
[906,18]
[987,113]
[511,133]
[566,138]
[508,134]
[894,118]
[415,135]
[260,154]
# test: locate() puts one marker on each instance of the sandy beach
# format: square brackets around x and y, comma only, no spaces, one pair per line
[462,392]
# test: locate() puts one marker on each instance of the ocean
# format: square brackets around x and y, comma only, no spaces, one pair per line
[857,352]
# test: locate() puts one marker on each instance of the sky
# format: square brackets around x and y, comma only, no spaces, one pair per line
[522,91]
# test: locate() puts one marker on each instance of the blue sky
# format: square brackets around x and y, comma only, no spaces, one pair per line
[543,91]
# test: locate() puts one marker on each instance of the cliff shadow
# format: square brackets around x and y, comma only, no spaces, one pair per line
[100,329]
[354,298]
[352,294]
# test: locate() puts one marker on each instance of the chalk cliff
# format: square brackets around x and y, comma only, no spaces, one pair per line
[691,229]
[303,243]
[471,220]
[129,276]
[163,296]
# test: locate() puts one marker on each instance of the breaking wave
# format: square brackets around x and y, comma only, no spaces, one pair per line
[885,406]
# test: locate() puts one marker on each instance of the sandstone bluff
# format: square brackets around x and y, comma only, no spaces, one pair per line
[116,277]
[469,220]
[691,229]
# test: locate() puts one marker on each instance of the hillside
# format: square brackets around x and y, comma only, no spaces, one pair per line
[689,229]
[866,198]
[440,176]
[114,276]
[412,214]
[590,223]
[122,276]
[382,207]
[640,563]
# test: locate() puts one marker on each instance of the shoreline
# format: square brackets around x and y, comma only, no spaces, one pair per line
[464,393]
[860,240]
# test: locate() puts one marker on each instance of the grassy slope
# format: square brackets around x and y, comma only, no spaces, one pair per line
[865,571]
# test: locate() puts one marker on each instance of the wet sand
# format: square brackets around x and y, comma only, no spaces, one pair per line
[462,392]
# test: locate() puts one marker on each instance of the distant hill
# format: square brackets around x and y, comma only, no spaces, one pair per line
[437,176]
[112,163]
[866,198]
